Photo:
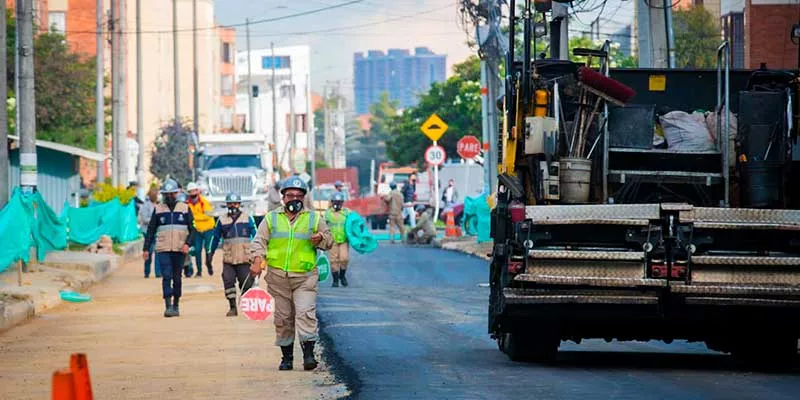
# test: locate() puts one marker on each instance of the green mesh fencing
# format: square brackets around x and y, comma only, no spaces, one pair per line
[85,225]
[27,221]
[359,237]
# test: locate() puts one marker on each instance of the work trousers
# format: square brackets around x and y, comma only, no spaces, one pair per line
[339,256]
[149,262]
[295,296]
[171,263]
[202,244]
[408,210]
[236,272]
[396,221]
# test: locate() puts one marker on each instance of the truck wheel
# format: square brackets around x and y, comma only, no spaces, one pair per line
[383,223]
[532,347]
[374,222]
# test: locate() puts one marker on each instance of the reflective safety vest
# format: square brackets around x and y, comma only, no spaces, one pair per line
[289,248]
[336,223]
[173,227]
[236,239]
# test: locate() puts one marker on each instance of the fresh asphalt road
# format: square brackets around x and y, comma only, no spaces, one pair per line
[412,325]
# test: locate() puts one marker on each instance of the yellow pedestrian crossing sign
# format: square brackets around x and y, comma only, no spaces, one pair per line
[433,127]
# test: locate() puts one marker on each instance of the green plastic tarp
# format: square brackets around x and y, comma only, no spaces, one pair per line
[359,237]
[87,224]
[477,218]
[27,221]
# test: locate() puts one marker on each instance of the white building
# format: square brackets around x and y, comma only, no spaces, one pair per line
[292,69]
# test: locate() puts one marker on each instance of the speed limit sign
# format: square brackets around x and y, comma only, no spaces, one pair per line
[435,155]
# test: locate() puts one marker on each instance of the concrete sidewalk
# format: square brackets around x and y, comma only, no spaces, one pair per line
[136,353]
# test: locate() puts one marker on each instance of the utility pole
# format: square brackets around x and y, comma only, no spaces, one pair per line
[292,118]
[339,142]
[312,136]
[251,108]
[559,32]
[175,58]
[274,109]
[115,66]
[26,97]
[195,78]
[139,96]
[4,167]
[99,94]
[326,109]
[122,140]
[653,38]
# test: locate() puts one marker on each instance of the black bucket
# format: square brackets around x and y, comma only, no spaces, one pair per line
[761,184]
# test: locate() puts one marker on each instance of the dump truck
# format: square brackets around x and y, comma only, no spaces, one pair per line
[636,238]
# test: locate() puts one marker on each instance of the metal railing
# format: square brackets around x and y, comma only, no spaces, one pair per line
[723,107]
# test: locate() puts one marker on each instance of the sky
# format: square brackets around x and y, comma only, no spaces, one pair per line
[374,24]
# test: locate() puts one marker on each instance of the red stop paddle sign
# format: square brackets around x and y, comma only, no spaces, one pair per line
[256,304]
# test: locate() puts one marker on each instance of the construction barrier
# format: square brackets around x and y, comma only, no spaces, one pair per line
[477,217]
[25,222]
[73,383]
[451,230]
[85,225]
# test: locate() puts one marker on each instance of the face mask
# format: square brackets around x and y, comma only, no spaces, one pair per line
[294,206]
[233,211]
[337,207]
[170,200]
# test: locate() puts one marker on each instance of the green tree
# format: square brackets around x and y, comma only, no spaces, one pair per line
[171,152]
[696,38]
[457,101]
[381,115]
[64,89]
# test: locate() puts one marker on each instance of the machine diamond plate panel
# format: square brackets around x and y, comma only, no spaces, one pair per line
[593,213]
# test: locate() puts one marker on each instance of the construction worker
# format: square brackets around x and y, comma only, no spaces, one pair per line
[203,213]
[424,224]
[235,229]
[288,240]
[274,197]
[171,226]
[338,185]
[339,254]
[395,201]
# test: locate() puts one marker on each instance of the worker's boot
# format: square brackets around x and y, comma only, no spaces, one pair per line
[167,308]
[288,358]
[309,362]
[208,265]
[175,311]
[335,278]
[232,312]
[342,277]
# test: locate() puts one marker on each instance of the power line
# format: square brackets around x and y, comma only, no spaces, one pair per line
[254,22]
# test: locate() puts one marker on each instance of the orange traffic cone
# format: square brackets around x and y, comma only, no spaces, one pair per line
[79,365]
[451,229]
[63,385]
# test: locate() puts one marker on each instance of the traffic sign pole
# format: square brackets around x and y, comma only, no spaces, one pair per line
[436,188]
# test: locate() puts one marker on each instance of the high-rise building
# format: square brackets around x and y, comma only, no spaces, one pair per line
[404,76]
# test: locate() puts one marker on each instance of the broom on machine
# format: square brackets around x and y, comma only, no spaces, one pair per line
[604,89]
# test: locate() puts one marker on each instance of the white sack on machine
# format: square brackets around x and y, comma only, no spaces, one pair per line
[711,124]
[686,132]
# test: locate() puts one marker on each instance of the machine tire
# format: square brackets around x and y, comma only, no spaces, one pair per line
[373,222]
[383,223]
[532,347]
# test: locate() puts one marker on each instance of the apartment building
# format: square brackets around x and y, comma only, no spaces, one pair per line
[760,32]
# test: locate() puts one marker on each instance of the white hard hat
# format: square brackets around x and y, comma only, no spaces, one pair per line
[192,186]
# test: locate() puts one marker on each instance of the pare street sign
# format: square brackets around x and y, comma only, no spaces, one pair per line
[433,127]
[257,304]
[435,155]
[468,147]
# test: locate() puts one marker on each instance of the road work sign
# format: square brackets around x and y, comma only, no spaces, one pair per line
[257,304]
[433,127]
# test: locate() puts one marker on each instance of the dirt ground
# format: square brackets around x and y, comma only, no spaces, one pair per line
[136,353]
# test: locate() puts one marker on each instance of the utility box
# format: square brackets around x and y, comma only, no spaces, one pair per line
[550,181]
[541,135]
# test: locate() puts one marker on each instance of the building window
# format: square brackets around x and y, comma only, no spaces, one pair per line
[58,21]
[226,53]
[277,61]
[226,118]
[227,85]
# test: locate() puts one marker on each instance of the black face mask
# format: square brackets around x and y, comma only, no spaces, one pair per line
[337,207]
[294,206]
[233,210]
[170,200]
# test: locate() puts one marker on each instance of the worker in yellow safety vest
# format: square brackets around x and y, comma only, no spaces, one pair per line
[288,240]
[203,213]
[339,254]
